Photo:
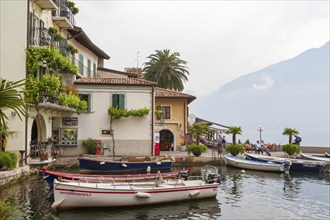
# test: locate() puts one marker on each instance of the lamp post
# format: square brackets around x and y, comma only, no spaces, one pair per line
[260,129]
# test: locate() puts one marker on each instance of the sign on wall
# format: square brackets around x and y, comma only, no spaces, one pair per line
[70,121]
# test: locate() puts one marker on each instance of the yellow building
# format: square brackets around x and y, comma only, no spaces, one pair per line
[171,124]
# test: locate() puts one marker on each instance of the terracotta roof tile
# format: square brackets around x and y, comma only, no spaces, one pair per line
[114,81]
[166,93]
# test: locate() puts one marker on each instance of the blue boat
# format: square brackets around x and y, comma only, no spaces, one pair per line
[126,165]
[296,164]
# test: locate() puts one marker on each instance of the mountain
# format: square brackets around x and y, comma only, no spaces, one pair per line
[293,93]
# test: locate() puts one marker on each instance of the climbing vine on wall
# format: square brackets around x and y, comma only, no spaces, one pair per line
[51,57]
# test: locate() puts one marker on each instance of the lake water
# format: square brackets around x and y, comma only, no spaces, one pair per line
[253,195]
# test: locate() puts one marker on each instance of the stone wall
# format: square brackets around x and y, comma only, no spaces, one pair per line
[9,175]
[316,150]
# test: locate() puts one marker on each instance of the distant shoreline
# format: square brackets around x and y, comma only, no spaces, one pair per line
[314,149]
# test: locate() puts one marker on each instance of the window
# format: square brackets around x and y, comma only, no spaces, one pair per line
[81,64]
[118,100]
[87,98]
[166,112]
[94,70]
[89,68]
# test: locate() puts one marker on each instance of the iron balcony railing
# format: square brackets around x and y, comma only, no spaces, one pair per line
[39,37]
[63,11]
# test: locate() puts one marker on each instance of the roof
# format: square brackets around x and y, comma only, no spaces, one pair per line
[116,71]
[114,81]
[80,36]
[166,93]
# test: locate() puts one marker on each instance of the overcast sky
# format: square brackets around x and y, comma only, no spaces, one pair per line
[220,40]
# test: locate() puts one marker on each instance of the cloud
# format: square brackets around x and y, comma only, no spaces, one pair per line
[267,83]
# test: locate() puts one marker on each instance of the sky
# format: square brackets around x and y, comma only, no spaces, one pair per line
[220,40]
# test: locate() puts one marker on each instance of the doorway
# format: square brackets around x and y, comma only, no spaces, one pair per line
[166,140]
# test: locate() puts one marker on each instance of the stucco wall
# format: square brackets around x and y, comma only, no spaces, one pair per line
[177,121]
[133,135]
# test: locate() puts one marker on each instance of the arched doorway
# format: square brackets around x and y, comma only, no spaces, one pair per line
[166,140]
[38,130]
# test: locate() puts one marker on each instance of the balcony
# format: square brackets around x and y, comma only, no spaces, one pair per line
[46,4]
[39,37]
[63,16]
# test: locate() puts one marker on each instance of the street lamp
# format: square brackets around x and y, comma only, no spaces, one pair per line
[260,129]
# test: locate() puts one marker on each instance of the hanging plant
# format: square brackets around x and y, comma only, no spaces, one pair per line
[51,57]
[52,31]
[71,49]
[58,37]
[50,84]
[72,7]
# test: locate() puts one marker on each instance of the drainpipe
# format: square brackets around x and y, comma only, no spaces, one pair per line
[185,110]
[152,120]
[26,74]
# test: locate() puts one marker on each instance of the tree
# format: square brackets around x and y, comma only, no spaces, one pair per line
[115,113]
[166,69]
[234,130]
[198,130]
[290,132]
[10,99]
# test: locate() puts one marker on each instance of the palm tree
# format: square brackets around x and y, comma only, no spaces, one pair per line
[290,132]
[234,130]
[11,99]
[198,130]
[167,69]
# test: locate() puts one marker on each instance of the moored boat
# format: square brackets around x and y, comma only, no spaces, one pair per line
[327,155]
[49,176]
[79,195]
[127,165]
[296,164]
[256,165]
[311,157]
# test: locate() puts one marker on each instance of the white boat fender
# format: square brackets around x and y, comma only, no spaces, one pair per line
[102,163]
[159,163]
[124,165]
[142,195]
[194,193]
[148,169]
[56,204]
[242,171]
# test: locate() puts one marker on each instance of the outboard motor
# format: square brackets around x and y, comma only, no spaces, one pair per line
[184,174]
[213,178]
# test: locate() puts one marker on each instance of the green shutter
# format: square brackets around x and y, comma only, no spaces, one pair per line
[89,68]
[114,100]
[81,64]
[159,108]
[94,69]
[89,103]
[121,101]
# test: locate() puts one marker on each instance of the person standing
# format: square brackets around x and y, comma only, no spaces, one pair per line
[297,140]
[4,142]
[219,145]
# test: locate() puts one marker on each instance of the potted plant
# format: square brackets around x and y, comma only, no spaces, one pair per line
[8,160]
[90,145]
[291,149]
[196,149]
[235,149]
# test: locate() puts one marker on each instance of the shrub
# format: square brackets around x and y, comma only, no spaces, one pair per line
[7,210]
[291,149]
[90,145]
[197,150]
[8,160]
[235,149]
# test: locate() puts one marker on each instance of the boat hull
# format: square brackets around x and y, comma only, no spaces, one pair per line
[50,176]
[296,164]
[310,157]
[95,165]
[75,195]
[253,165]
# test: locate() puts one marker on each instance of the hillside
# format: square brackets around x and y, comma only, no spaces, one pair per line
[293,93]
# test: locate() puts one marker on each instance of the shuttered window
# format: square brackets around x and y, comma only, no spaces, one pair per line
[94,70]
[118,100]
[87,98]
[166,112]
[81,64]
[89,68]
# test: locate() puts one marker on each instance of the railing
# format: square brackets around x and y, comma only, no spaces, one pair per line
[63,11]
[39,36]
[44,98]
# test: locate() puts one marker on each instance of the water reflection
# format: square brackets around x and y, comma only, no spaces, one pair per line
[188,209]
